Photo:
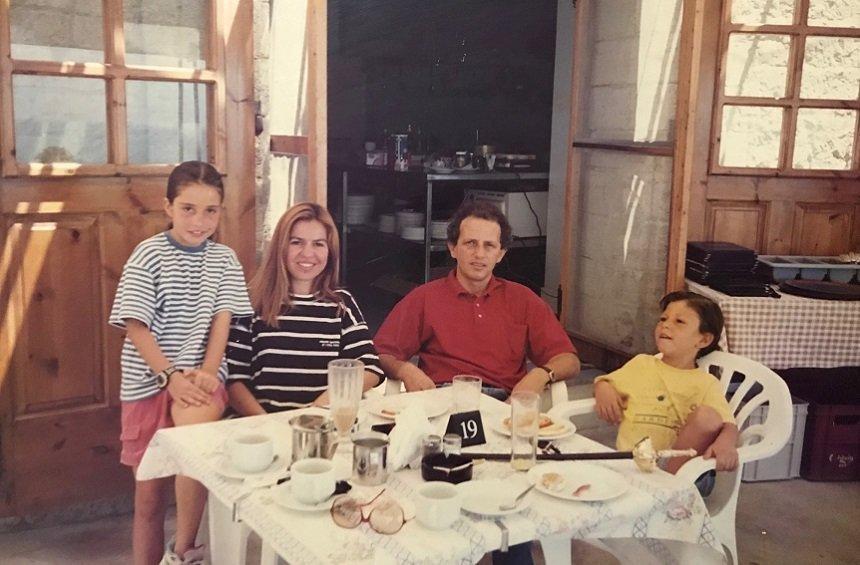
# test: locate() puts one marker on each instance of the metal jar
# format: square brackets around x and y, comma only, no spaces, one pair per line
[313,436]
[369,458]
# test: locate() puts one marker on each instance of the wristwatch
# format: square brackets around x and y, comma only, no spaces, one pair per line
[162,378]
[549,372]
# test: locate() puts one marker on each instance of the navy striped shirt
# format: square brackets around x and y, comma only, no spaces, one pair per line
[286,367]
[175,290]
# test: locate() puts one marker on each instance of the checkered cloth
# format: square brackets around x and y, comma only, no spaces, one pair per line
[790,331]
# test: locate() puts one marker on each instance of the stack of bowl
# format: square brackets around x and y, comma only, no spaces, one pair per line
[439,229]
[359,208]
[408,219]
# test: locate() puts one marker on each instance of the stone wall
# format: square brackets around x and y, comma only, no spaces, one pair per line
[622,230]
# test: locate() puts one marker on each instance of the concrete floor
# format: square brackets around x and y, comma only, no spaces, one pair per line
[779,522]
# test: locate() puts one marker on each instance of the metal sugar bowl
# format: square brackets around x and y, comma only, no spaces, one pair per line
[313,436]
[369,458]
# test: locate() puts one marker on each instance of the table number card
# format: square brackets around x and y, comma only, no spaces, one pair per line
[469,426]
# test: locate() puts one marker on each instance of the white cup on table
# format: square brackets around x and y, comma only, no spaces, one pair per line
[466,393]
[250,452]
[438,505]
[313,480]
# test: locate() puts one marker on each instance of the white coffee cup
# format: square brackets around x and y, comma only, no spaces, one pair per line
[438,505]
[312,480]
[250,452]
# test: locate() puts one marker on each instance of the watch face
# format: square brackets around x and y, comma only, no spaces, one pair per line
[161,380]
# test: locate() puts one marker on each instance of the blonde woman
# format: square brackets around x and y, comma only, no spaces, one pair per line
[277,358]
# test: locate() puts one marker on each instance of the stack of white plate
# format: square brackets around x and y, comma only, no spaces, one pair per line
[386,223]
[412,233]
[439,229]
[359,208]
[408,218]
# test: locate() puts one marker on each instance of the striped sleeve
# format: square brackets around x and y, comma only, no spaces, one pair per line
[356,342]
[135,297]
[239,352]
[233,292]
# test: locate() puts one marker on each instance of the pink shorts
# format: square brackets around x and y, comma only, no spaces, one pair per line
[142,418]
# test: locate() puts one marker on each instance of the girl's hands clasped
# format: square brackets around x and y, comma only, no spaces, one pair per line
[182,389]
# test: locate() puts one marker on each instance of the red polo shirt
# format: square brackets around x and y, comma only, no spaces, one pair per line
[491,335]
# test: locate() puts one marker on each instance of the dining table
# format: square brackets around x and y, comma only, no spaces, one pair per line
[651,506]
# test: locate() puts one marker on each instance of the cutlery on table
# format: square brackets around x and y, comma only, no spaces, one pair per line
[517,500]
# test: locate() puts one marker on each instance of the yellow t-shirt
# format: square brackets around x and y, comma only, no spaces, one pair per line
[660,398]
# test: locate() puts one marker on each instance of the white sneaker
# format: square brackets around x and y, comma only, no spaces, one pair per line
[194,556]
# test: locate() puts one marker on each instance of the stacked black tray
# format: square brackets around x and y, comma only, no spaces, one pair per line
[725,267]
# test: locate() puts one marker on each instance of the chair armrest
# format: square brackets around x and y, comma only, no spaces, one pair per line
[746,454]
[393,386]
[691,470]
[570,408]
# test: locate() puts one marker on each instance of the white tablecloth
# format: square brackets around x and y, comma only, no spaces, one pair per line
[791,331]
[657,505]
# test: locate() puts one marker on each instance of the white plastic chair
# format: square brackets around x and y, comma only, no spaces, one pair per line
[755,442]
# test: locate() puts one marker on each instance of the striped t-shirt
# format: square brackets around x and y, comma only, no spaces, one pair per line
[286,367]
[175,290]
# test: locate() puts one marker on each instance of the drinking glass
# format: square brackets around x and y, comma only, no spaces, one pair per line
[466,390]
[345,382]
[525,415]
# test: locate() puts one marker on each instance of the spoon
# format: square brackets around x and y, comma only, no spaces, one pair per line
[517,500]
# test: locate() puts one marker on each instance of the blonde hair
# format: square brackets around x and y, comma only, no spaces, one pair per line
[270,288]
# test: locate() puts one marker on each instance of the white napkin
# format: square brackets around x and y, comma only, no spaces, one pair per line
[404,441]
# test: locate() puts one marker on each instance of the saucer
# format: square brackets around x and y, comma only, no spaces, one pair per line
[225,468]
[283,496]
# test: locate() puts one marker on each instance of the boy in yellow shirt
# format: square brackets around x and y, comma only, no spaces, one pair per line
[669,399]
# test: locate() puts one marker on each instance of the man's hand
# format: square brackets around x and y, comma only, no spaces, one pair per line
[724,451]
[185,392]
[610,404]
[204,380]
[418,380]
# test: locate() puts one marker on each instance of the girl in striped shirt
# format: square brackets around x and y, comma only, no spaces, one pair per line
[278,357]
[175,299]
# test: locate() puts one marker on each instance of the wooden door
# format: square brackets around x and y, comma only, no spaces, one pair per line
[72,208]
[775,128]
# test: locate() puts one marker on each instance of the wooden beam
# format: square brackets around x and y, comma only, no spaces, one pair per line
[289,144]
[7,117]
[117,126]
[794,29]
[237,37]
[658,148]
[795,66]
[317,104]
[573,176]
[107,70]
[219,22]
[693,24]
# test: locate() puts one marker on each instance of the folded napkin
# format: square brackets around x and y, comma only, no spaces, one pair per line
[404,441]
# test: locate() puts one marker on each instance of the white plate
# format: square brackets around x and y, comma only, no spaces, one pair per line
[557,431]
[604,483]
[389,406]
[283,495]
[483,497]
[226,469]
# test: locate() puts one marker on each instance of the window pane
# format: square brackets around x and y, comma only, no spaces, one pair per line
[166,34]
[836,13]
[755,12]
[750,136]
[831,68]
[825,139]
[59,119]
[62,30]
[757,65]
[166,121]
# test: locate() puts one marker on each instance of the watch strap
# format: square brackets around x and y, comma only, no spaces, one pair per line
[549,372]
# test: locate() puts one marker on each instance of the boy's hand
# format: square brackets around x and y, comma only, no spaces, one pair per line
[205,380]
[185,392]
[725,453]
[610,404]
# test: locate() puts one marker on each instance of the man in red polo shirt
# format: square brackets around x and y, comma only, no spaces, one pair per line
[474,323]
